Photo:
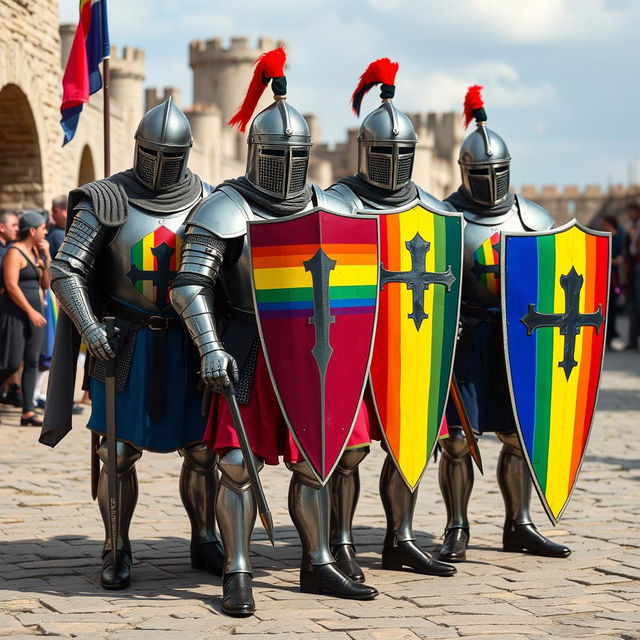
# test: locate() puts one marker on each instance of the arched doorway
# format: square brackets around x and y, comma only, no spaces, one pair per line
[20,161]
[87,171]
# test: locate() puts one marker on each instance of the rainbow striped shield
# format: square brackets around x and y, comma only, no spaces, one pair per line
[421,263]
[315,285]
[554,297]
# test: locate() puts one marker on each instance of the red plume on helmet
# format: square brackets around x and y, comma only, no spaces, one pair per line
[381,71]
[474,105]
[268,66]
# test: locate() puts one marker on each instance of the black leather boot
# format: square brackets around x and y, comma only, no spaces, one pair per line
[328,579]
[345,555]
[119,577]
[237,595]
[409,554]
[454,547]
[208,556]
[525,537]
[515,483]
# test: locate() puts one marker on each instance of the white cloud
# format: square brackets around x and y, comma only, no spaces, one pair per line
[445,91]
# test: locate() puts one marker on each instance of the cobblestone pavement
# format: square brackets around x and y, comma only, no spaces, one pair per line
[50,545]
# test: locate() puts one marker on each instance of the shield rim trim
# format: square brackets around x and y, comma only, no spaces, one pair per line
[450,214]
[295,216]
[574,222]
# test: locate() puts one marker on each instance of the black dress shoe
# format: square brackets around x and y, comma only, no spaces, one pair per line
[345,555]
[237,595]
[328,579]
[208,556]
[409,554]
[525,537]
[119,577]
[454,547]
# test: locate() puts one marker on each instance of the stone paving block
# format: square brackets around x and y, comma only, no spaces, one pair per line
[499,631]
[9,625]
[393,633]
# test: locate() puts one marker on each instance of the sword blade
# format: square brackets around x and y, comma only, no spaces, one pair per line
[112,451]
[95,464]
[249,460]
[466,425]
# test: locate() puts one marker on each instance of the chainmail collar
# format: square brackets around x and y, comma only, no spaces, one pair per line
[373,196]
[462,202]
[110,196]
[276,206]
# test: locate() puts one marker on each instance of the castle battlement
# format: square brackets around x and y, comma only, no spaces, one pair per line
[240,48]
[127,62]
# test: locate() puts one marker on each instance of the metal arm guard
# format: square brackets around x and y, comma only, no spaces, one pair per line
[192,292]
[73,264]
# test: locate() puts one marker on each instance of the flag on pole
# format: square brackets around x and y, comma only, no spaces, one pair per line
[82,74]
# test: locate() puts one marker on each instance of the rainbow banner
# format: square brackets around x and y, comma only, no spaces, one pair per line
[421,265]
[82,76]
[315,281]
[155,260]
[554,297]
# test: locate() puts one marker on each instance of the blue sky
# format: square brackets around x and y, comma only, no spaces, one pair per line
[561,77]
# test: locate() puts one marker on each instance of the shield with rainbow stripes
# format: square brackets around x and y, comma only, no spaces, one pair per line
[554,299]
[420,277]
[315,285]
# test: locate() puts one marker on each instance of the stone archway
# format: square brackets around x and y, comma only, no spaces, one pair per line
[87,172]
[20,157]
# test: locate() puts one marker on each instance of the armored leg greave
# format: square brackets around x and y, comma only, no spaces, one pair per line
[309,507]
[345,490]
[127,492]
[400,548]
[456,477]
[514,480]
[456,482]
[236,512]
[198,486]
[520,534]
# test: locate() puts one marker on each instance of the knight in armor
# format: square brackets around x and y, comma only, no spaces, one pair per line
[480,369]
[216,253]
[386,151]
[119,257]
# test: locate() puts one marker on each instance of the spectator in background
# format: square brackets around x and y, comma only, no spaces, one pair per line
[25,271]
[59,226]
[632,273]
[610,224]
[8,230]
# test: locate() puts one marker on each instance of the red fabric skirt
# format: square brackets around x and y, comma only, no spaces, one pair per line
[266,427]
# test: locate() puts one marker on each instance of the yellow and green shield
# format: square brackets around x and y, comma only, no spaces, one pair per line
[421,263]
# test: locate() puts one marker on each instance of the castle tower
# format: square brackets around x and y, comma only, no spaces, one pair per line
[221,75]
[127,76]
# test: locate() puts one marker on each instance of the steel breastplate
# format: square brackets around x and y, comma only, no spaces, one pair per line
[143,259]
[481,266]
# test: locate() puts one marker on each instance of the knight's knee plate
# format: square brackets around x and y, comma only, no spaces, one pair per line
[234,472]
[351,459]
[455,447]
[511,443]
[302,473]
[199,457]
[126,456]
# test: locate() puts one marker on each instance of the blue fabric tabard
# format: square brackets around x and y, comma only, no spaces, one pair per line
[182,423]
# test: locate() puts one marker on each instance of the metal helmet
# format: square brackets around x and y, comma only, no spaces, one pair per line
[279,144]
[484,157]
[163,141]
[279,138]
[387,139]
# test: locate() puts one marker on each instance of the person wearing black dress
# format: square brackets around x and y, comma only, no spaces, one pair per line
[21,321]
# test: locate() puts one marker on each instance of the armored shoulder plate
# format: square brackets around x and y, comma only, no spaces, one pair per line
[533,216]
[330,201]
[342,191]
[85,210]
[224,213]
[433,202]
